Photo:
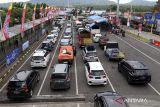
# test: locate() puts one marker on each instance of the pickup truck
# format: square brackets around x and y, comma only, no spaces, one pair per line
[112,51]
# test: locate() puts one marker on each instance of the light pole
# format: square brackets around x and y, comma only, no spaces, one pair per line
[117,17]
[1,23]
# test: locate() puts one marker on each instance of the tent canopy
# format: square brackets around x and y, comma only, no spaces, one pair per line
[97,19]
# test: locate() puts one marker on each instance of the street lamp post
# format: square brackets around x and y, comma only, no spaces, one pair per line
[117,17]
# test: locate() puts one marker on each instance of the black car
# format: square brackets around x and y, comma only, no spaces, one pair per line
[134,71]
[109,99]
[47,45]
[22,83]
[60,77]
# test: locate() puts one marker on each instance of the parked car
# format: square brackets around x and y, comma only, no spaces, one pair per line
[47,45]
[96,37]
[65,42]
[95,73]
[134,71]
[102,41]
[109,99]
[89,53]
[22,84]
[40,58]
[60,77]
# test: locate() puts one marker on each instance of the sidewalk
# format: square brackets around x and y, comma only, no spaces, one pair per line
[147,36]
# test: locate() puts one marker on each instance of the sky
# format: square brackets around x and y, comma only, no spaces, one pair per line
[121,1]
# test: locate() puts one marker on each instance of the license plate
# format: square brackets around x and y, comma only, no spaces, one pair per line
[16,92]
[97,77]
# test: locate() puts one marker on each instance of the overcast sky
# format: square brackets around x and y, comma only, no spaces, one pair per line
[121,1]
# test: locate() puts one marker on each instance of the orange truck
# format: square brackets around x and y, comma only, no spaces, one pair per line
[66,54]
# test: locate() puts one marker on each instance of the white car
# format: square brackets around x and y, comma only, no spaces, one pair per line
[40,58]
[96,37]
[95,73]
[69,24]
[56,28]
[54,32]
[52,38]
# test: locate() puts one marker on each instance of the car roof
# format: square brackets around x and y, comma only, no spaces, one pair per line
[46,41]
[95,66]
[137,65]
[98,34]
[115,101]
[39,52]
[21,75]
[112,42]
[59,68]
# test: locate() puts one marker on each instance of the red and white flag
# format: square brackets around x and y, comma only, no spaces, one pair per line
[23,18]
[33,16]
[5,29]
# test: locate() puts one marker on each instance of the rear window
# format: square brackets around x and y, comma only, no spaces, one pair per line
[91,54]
[97,72]
[59,76]
[15,84]
[112,45]
[49,37]
[37,57]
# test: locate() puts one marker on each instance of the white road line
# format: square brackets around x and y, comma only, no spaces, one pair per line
[75,65]
[146,44]
[40,89]
[147,57]
[154,89]
[113,89]
[19,68]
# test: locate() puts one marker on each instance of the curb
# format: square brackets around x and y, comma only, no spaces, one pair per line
[54,98]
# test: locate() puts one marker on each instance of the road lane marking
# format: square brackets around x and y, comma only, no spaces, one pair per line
[113,89]
[40,89]
[154,89]
[146,44]
[20,67]
[147,57]
[75,65]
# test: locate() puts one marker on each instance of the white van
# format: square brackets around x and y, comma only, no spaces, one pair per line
[40,58]
[52,37]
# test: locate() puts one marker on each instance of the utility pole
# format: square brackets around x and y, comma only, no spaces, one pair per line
[117,17]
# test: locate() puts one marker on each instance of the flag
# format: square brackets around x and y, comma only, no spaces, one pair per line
[5,28]
[23,18]
[33,16]
[1,35]
[41,13]
[46,10]
[128,20]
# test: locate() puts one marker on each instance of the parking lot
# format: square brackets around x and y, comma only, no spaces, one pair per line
[134,50]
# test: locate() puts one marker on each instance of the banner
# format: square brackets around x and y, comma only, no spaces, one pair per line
[11,57]
[23,18]
[148,16]
[157,16]
[33,16]
[158,26]
[5,28]
[25,45]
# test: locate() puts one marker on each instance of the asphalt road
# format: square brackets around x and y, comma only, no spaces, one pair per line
[134,50]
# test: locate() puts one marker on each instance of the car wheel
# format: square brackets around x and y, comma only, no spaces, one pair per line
[38,78]
[129,80]
[31,93]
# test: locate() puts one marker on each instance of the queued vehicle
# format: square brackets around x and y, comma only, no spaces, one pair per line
[56,28]
[66,54]
[96,37]
[95,73]
[40,58]
[109,99]
[102,41]
[52,38]
[112,51]
[60,77]
[89,53]
[22,84]
[65,42]
[68,34]
[55,33]
[47,45]
[134,71]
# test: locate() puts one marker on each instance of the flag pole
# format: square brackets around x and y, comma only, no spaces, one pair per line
[1,25]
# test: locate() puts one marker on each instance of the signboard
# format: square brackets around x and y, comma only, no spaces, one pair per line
[11,57]
[151,22]
[157,16]
[148,16]
[25,45]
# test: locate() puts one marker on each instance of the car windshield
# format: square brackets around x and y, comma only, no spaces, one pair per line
[37,57]
[45,45]
[64,43]
[112,45]
[49,37]
[15,84]
[59,76]
[97,72]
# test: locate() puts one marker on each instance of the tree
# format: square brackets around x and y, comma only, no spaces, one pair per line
[157,6]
